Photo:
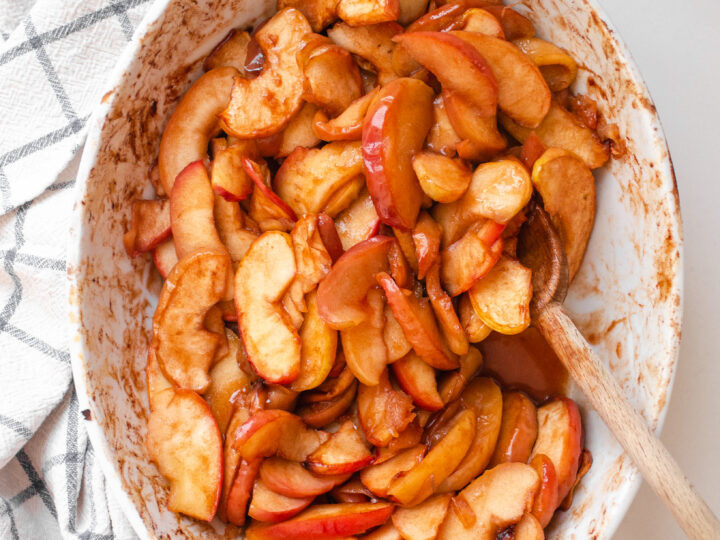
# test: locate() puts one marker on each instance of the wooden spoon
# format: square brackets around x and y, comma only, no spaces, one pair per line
[540,249]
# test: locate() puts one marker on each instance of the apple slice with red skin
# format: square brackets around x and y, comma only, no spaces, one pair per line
[230,222]
[400,268]
[418,380]
[330,236]
[453,384]
[418,323]
[377,478]
[185,349]
[184,441]
[421,481]
[252,170]
[383,411]
[407,438]
[280,397]
[341,295]
[560,439]
[441,18]
[426,237]
[240,492]
[149,226]
[264,105]
[393,131]
[331,388]
[457,65]
[262,277]
[357,222]
[472,257]
[499,498]
[276,432]
[322,413]
[291,479]
[546,500]
[271,507]
[364,344]
[344,452]
[518,430]
[227,174]
[164,257]
[352,492]
[347,126]
[325,522]
[422,522]
[445,313]
[484,398]
[481,139]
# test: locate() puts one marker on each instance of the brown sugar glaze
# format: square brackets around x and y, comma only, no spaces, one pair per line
[524,362]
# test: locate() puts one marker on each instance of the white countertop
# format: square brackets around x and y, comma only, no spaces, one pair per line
[676,46]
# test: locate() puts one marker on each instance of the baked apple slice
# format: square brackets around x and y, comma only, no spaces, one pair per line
[240,491]
[441,178]
[499,498]
[396,343]
[332,387]
[227,175]
[164,257]
[418,379]
[386,532]
[185,349]
[318,347]
[149,226]
[481,139]
[422,522]
[514,25]
[319,414]
[377,478]
[556,65]
[502,298]
[442,138]
[230,222]
[291,479]
[344,452]
[329,236]
[546,500]
[264,105]
[529,528]
[347,126]
[518,430]
[341,295]
[364,344]
[394,129]
[269,506]
[426,238]
[262,277]
[445,313]
[325,522]
[184,441]
[383,412]
[453,383]
[475,329]
[559,438]
[358,222]
[483,22]
[319,13]
[364,12]
[231,51]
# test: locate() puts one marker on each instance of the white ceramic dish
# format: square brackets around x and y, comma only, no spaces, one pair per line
[626,298]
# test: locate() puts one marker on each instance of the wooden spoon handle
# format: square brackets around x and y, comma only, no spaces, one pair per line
[658,467]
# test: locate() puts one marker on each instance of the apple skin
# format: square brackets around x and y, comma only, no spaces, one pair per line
[149,226]
[343,453]
[240,492]
[251,170]
[546,500]
[518,430]
[393,131]
[268,506]
[377,478]
[418,379]
[291,479]
[325,522]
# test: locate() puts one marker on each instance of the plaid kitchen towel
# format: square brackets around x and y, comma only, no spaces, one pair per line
[55,58]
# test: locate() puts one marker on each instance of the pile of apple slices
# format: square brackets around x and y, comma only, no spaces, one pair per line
[336,223]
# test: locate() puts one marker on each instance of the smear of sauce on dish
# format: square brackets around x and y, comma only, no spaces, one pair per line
[524,362]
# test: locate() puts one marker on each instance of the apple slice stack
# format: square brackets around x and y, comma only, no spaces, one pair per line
[336,223]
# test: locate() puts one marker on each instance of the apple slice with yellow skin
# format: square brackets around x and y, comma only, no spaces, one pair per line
[377,478]
[502,298]
[193,123]
[240,492]
[229,220]
[458,66]
[184,441]
[322,413]
[445,313]
[332,78]
[529,528]
[499,498]
[264,105]
[347,126]
[416,318]
[262,277]
[291,479]
[358,222]
[386,532]
[185,349]
[344,452]
[149,226]
[371,42]
[559,438]
[441,178]
[319,13]
[394,129]
[227,175]
[452,384]
[276,432]
[482,21]
[383,411]
[341,295]
[418,380]
[396,343]
[364,344]
[227,378]
[518,430]
[271,507]
[309,177]
[481,139]
[426,238]
[567,187]
[546,500]
[442,138]
[318,347]
[421,481]
[422,522]
[364,12]
[556,65]
[522,93]
[482,396]
[560,129]
[325,522]
[164,257]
